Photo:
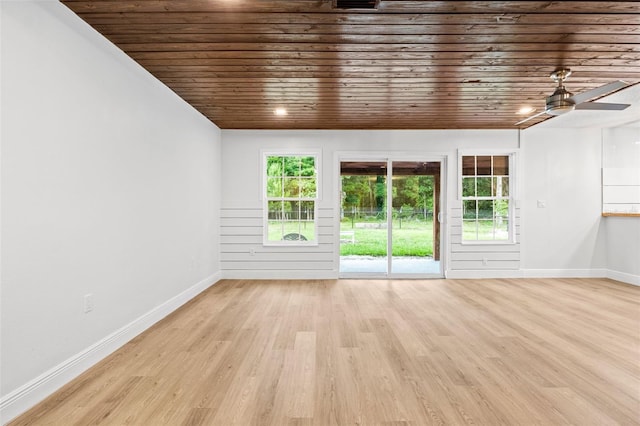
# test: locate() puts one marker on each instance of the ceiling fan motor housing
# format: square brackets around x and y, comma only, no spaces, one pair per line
[562,101]
[559,102]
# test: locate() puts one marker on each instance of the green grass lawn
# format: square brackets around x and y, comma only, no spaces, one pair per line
[484,232]
[305,228]
[415,238]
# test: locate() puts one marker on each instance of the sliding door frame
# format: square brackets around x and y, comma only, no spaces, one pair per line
[389,158]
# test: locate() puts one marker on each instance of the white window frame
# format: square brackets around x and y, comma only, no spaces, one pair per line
[265,199]
[513,159]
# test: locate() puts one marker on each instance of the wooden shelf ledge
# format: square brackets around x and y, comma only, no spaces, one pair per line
[621,214]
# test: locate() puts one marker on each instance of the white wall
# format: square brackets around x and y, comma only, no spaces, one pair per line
[110,187]
[561,169]
[241,213]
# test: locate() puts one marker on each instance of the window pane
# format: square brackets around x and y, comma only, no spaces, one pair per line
[502,229]
[485,230]
[307,211]
[299,231]
[485,209]
[468,186]
[275,230]
[299,224]
[292,233]
[290,209]
[469,209]
[484,165]
[501,165]
[469,229]
[308,187]
[275,210]
[291,187]
[274,166]
[484,187]
[307,220]
[308,166]
[501,209]
[275,222]
[274,187]
[501,186]
[292,166]
[468,165]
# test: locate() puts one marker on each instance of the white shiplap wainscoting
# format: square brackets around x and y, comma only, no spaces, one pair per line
[471,260]
[243,255]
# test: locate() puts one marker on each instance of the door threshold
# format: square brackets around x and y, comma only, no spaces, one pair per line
[347,276]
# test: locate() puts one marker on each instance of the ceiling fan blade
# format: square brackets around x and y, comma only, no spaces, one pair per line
[530,118]
[598,91]
[602,106]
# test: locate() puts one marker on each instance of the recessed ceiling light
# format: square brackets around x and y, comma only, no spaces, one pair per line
[526,110]
[280,112]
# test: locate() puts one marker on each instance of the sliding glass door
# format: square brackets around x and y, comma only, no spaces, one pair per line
[363,225]
[400,237]
[414,224]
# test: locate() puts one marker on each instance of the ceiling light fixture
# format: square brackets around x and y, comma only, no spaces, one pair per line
[526,110]
[280,112]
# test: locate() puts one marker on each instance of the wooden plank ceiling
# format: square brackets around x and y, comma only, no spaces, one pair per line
[409,64]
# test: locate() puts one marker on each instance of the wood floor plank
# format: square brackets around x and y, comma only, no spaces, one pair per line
[388,352]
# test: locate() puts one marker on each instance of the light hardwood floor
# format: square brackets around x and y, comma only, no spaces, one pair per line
[364,352]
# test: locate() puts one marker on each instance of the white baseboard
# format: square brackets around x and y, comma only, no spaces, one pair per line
[28,395]
[483,273]
[624,277]
[545,273]
[280,275]
[564,273]
[450,274]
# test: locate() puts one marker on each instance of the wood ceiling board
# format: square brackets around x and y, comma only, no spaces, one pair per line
[316,6]
[409,64]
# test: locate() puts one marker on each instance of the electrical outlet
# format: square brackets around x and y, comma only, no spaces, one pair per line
[542,204]
[252,251]
[485,261]
[88,303]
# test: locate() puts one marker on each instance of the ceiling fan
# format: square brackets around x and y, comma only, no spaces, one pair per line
[562,101]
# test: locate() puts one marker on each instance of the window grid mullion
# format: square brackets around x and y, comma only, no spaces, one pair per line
[497,195]
[291,220]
